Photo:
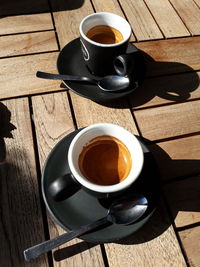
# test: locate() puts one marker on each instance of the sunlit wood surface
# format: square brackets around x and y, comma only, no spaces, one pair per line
[36,113]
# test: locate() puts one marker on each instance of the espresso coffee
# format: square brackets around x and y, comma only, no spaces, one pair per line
[105,34]
[105,160]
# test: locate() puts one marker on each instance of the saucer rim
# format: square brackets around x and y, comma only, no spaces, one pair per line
[98,99]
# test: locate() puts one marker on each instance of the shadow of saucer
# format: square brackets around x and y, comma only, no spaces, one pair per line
[163,81]
[156,226]
[158,223]
[163,217]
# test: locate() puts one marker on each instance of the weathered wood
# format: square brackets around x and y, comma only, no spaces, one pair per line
[18,78]
[154,245]
[164,108]
[179,157]
[21,223]
[189,13]
[184,202]
[53,121]
[25,23]
[28,43]
[171,56]
[169,121]
[167,89]
[67,16]
[197,3]
[88,112]
[143,24]
[167,18]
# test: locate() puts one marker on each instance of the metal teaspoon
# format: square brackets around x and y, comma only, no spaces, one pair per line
[124,211]
[110,83]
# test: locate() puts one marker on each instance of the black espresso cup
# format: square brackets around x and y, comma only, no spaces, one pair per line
[104,160]
[104,36]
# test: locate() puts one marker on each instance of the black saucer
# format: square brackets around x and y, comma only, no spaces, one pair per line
[83,208]
[70,61]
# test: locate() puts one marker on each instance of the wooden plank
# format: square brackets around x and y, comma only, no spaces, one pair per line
[171,56]
[189,13]
[183,198]
[23,7]
[28,43]
[25,23]
[197,3]
[67,16]
[48,111]
[136,251]
[18,78]
[157,237]
[143,24]
[179,157]
[109,6]
[166,89]
[88,112]
[169,121]
[162,10]
[21,224]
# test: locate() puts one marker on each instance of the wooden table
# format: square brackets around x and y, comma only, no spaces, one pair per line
[35,114]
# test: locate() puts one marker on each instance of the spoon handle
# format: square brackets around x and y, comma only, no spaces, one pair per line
[64,77]
[37,250]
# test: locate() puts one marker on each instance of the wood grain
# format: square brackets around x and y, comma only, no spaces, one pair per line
[183,198]
[143,24]
[169,121]
[179,157]
[189,13]
[28,43]
[165,108]
[162,10]
[171,56]
[154,245]
[88,112]
[197,3]
[110,6]
[18,78]
[51,110]
[21,223]
[167,89]
[67,18]
[25,23]
[48,111]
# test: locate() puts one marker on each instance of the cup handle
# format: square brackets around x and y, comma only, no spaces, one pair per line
[63,187]
[124,64]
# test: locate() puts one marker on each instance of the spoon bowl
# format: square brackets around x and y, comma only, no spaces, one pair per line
[123,211]
[110,83]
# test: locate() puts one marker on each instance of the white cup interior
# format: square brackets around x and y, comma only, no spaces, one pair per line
[90,132]
[105,18]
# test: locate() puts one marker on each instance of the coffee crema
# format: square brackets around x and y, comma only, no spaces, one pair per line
[105,160]
[105,34]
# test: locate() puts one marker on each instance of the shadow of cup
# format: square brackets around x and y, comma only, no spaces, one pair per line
[169,81]
[162,219]
[173,87]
